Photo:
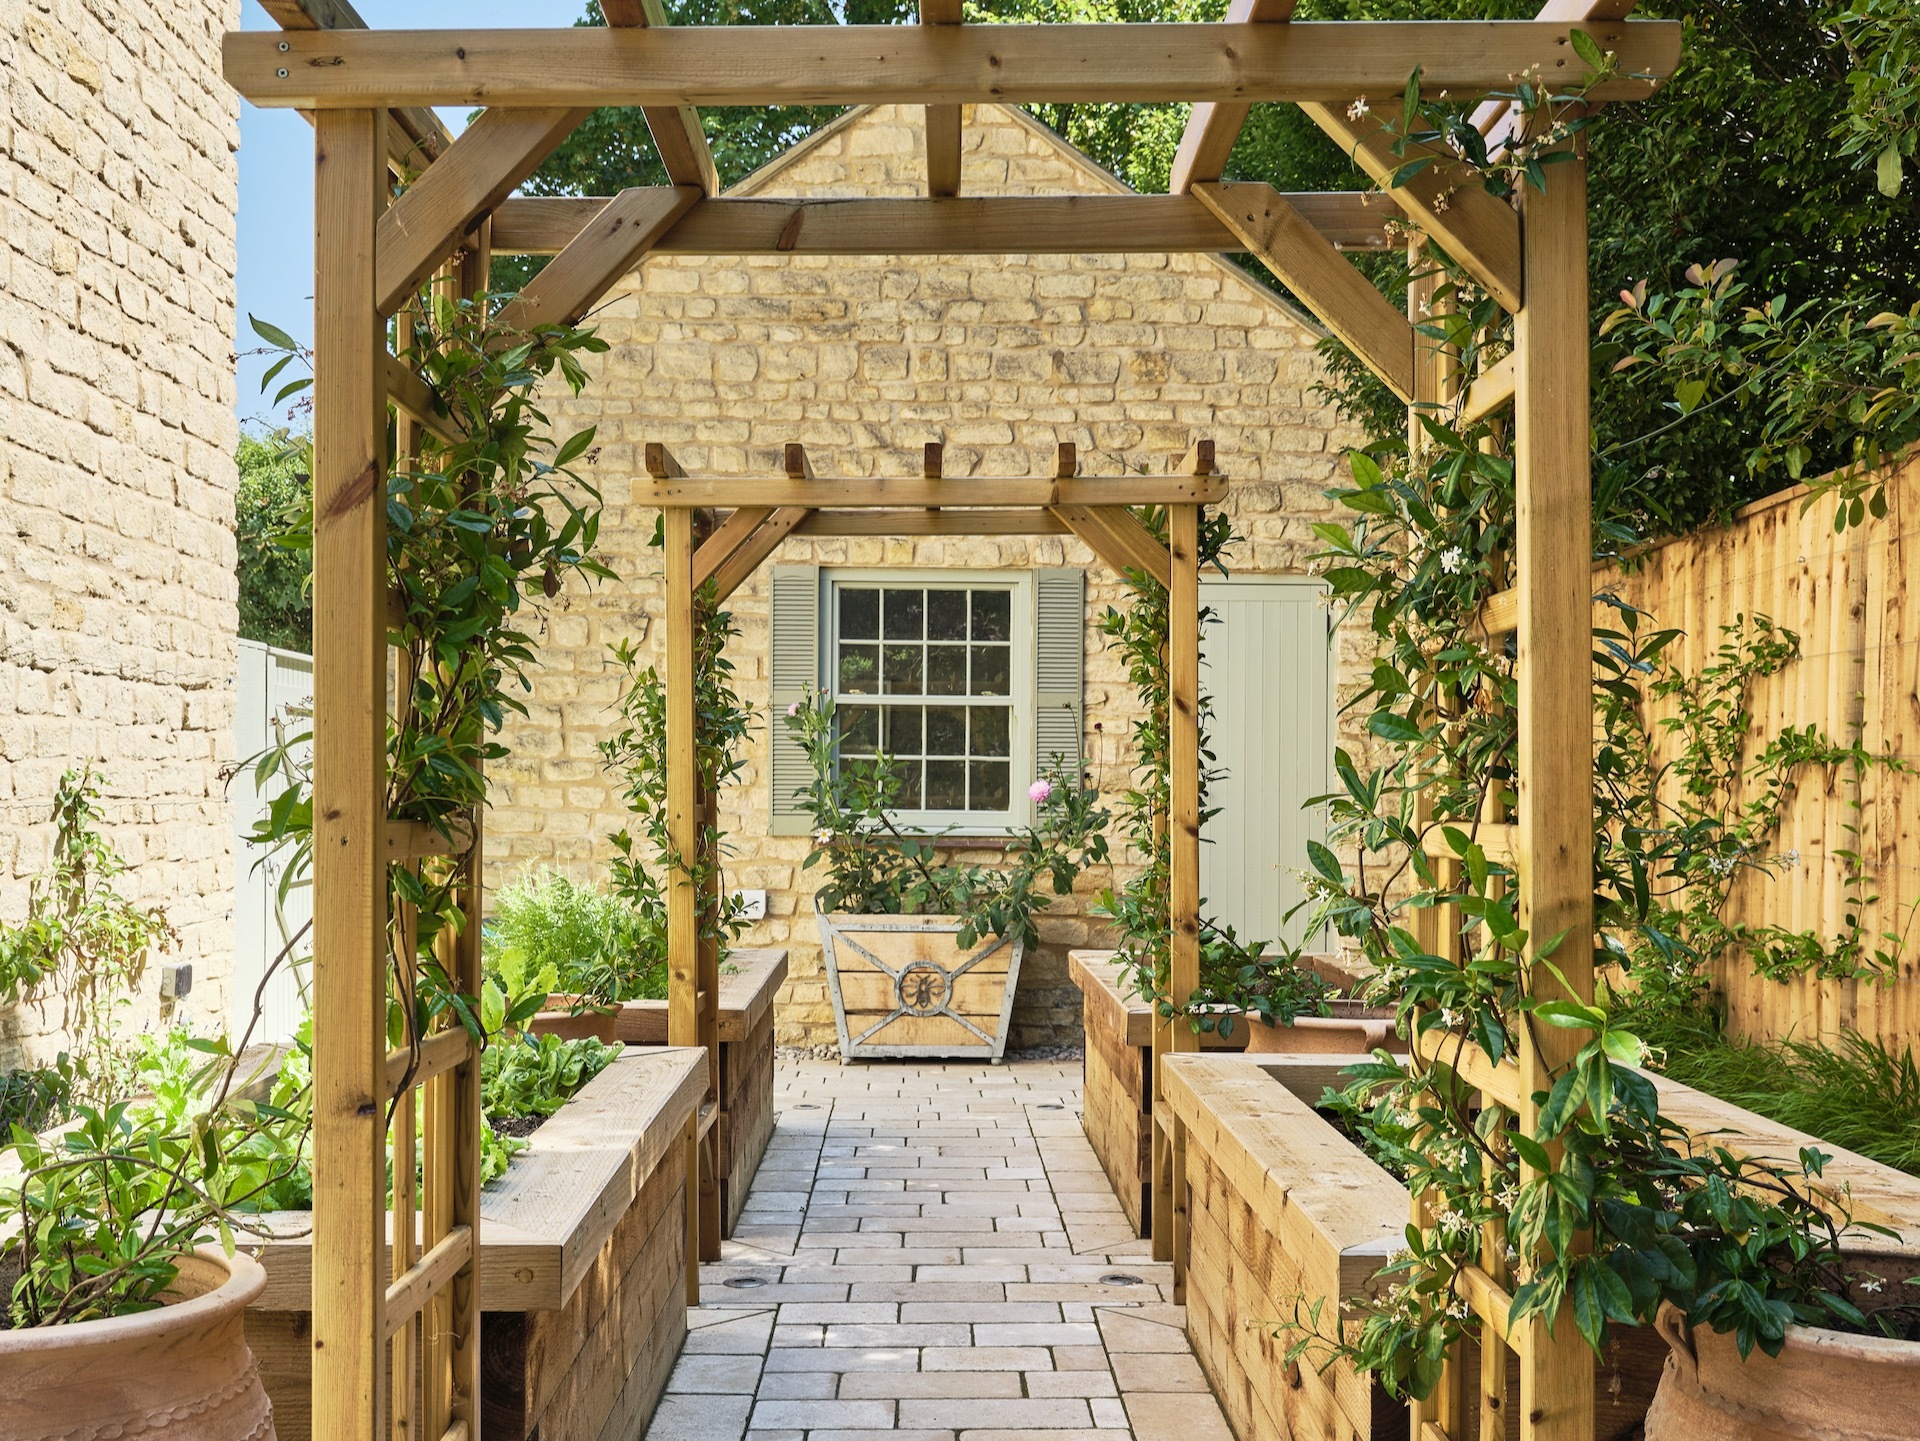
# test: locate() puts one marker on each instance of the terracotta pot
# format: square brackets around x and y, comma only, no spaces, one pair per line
[1318,1036]
[573,1025]
[1825,1385]
[181,1372]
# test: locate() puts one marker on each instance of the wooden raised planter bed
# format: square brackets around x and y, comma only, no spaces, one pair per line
[1284,1210]
[745,1122]
[583,1264]
[1118,1094]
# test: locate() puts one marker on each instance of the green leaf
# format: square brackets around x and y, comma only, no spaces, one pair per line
[1588,49]
[1366,470]
[1326,863]
[1392,727]
[272,334]
[1688,394]
[1887,170]
[574,448]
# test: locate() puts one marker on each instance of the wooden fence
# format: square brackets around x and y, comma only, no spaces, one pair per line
[1852,600]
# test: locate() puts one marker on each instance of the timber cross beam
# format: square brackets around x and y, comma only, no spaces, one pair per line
[973,225]
[584,67]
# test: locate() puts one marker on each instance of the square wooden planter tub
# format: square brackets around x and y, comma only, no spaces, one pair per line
[1118,1092]
[582,1267]
[745,1122]
[1284,1210]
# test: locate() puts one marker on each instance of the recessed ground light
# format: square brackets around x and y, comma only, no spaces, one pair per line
[1050,1106]
[745,1283]
[1112,1278]
[805,1106]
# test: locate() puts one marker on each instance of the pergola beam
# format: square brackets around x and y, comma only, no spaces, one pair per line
[595,260]
[898,493]
[676,131]
[495,153]
[974,225]
[1027,521]
[1329,62]
[1214,126]
[1344,300]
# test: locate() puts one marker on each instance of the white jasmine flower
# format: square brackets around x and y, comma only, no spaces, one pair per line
[1359,109]
[1453,560]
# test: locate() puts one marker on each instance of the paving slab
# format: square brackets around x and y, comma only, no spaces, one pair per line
[927,1248]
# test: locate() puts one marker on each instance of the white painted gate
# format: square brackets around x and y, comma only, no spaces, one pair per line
[1269,668]
[274,697]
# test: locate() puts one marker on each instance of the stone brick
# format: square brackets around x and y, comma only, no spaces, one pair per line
[118,192]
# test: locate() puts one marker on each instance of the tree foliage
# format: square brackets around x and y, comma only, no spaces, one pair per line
[276,606]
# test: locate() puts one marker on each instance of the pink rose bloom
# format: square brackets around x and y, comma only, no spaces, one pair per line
[794,709]
[1039,792]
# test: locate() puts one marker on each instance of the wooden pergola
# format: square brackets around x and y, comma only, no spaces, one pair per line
[379,241]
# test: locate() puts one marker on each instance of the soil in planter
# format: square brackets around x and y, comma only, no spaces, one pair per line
[518,1127]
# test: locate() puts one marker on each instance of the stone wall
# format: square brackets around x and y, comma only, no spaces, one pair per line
[117,617]
[864,360]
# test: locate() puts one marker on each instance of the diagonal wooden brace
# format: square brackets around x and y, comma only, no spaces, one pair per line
[1477,230]
[492,156]
[1325,281]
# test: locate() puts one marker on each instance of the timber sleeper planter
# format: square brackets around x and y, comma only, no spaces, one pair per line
[745,1121]
[180,1372]
[1118,1096]
[1284,1208]
[901,987]
[583,1261]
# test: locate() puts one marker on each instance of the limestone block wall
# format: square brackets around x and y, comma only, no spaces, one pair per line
[117,615]
[864,360]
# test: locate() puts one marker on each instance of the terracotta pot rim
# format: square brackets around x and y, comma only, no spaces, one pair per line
[246,1279]
[1848,1344]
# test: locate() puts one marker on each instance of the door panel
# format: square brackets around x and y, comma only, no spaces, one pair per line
[1268,666]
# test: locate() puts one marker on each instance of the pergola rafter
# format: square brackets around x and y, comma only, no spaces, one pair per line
[455,207]
[677,136]
[942,122]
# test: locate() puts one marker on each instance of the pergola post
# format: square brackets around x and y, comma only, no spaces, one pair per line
[683,840]
[1554,556]
[1171,1034]
[349,781]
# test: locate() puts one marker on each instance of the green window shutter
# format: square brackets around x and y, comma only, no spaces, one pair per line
[793,669]
[1059,668]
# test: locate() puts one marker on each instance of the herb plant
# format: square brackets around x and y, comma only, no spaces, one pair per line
[583,942]
[874,867]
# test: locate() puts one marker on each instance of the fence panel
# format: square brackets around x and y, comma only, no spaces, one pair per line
[1848,597]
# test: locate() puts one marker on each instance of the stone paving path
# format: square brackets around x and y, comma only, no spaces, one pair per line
[927,1255]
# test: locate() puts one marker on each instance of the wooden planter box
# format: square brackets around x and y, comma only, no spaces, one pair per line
[1283,1206]
[901,987]
[582,1267]
[745,1122]
[1118,1094]
[1283,1211]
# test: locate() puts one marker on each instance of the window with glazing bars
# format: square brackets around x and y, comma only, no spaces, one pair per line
[938,675]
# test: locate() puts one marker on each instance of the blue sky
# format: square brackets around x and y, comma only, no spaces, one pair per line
[276,175]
